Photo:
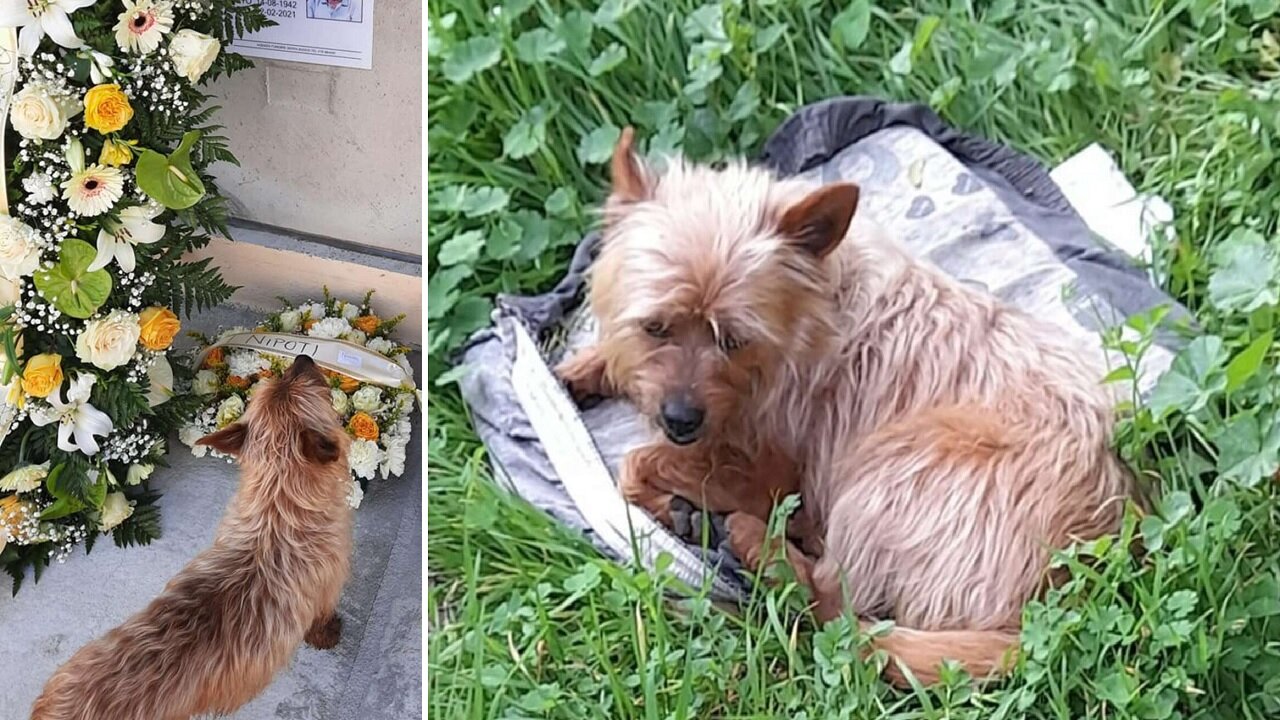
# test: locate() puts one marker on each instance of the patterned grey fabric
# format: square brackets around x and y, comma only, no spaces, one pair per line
[983,213]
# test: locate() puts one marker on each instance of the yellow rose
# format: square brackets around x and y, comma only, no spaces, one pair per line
[43,375]
[159,327]
[106,109]
[116,153]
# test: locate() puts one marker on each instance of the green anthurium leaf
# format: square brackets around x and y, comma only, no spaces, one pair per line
[171,181]
[70,286]
[61,508]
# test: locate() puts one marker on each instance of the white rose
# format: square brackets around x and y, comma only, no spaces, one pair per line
[138,473]
[19,248]
[37,115]
[189,434]
[363,458]
[205,383]
[109,342]
[393,462]
[354,495]
[39,188]
[229,411]
[341,403]
[193,53]
[380,345]
[350,312]
[329,328]
[367,399]
[289,320]
[25,479]
[115,510]
[355,336]
[10,291]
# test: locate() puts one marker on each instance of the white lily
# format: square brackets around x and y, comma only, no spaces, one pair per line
[38,18]
[99,65]
[160,377]
[78,421]
[117,240]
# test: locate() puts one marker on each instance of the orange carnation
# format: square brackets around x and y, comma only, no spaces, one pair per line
[367,324]
[363,426]
[238,382]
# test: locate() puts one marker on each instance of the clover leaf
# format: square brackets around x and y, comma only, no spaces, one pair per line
[171,181]
[70,286]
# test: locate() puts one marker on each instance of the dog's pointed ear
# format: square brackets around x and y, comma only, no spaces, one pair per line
[229,440]
[631,179]
[819,222]
[319,447]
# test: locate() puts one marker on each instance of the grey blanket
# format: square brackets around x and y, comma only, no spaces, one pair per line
[982,212]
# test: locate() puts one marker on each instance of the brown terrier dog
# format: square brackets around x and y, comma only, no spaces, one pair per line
[942,442]
[234,615]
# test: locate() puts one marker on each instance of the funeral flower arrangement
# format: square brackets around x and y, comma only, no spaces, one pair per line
[378,418]
[107,145]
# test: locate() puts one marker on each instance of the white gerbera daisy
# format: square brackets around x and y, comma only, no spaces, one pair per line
[142,25]
[93,190]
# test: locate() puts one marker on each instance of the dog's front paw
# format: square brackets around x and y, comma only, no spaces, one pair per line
[583,376]
[324,634]
[747,535]
[638,486]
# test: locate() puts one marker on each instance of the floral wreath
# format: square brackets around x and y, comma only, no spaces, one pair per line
[107,145]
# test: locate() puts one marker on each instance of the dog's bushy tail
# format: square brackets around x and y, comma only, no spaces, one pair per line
[982,653]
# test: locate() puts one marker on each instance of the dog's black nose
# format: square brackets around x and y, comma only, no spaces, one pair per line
[681,420]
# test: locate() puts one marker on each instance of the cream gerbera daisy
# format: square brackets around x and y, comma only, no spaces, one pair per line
[93,190]
[142,25]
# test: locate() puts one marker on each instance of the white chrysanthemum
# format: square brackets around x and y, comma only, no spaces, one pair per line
[142,25]
[363,458]
[115,510]
[329,328]
[312,311]
[290,320]
[350,311]
[355,336]
[25,479]
[39,188]
[205,383]
[19,248]
[393,460]
[380,345]
[367,399]
[341,403]
[354,495]
[246,363]
[229,411]
[405,402]
[189,434]
[93,190]
[138,473]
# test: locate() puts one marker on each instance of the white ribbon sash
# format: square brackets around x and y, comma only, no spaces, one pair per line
[338,356]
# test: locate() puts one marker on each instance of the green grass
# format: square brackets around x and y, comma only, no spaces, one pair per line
[522,108]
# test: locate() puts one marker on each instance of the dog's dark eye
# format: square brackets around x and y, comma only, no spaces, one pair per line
[729,343]
[658,329]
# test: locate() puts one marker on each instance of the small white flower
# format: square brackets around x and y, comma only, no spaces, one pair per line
[341,403]
[380,345]
[39,188]
[329,328]
[367,399]
[246,363]
[355,336]
[393,462]
[189,434]
[160,381]
[142,24]
[229,411]
[354,495]
[99,66]
[405,402]
[115,510]
[25,478]
[40,17]
[350,312]
[19,248]
[363,458]
[116,240]
[312,311]
[109,342]
[75,417]
[205,383]
[139,472]
[290,320]
[193,53]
